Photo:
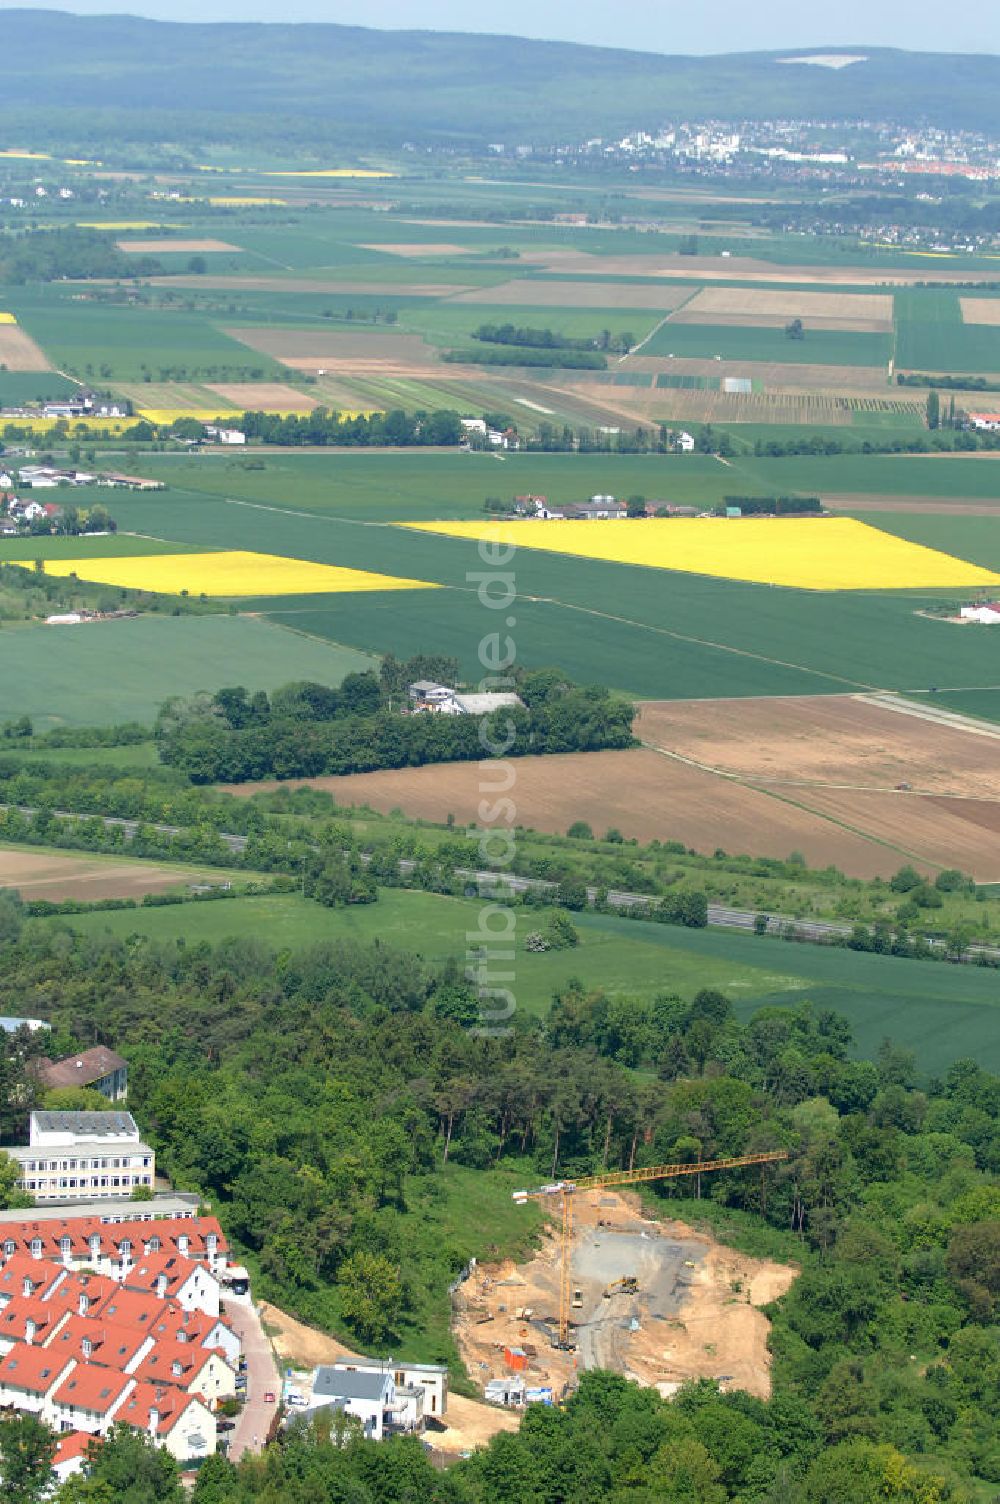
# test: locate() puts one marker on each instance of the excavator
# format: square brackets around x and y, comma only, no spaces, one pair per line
[627,1285]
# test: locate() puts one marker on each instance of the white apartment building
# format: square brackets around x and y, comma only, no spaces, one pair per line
[77,1156]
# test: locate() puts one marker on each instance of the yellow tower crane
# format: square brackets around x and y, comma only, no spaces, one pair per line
[565,1190]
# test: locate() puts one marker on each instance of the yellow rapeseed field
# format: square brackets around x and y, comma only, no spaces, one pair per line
[226,574]
[168,415]
[45,425]
[803,553]
[7,318]
[119,224]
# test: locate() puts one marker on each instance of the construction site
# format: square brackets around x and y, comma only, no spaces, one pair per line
[655,1301]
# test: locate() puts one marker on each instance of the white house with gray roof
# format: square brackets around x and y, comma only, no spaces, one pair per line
[369,1397]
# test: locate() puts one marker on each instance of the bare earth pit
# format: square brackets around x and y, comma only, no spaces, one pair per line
[696,1313]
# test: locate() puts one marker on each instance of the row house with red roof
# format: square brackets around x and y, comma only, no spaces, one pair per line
[143,1344]
[115,1248]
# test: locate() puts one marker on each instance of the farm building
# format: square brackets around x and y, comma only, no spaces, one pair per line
[425,695]
[987,422]
[988,613]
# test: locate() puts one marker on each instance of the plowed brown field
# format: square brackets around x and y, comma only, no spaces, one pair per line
[642,793]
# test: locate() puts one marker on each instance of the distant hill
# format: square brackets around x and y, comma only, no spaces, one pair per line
[156,80]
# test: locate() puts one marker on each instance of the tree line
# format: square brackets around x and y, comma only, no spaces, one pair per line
[321,427]
[357,729]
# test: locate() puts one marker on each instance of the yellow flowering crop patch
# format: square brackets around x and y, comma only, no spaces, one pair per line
[119,224]
[168,415]
[227,574]
[91,424]
[803,553]
[7,318]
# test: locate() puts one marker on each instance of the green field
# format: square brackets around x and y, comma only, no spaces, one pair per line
[931,336]
[107,672]
[973,538]
[821,347]
[82,547]
[941,1012]
[32,386]
[123,343]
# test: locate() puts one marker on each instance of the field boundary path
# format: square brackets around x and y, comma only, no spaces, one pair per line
[931,712]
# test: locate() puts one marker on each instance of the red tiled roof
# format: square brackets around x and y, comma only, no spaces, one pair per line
[70,1445]
[24,1308]
[18,1268]
[166,1231]
[111,1344]
[158,1365]
[167,1400]
[92,1387]
[130,1308]
[96,1287]
[33,1369]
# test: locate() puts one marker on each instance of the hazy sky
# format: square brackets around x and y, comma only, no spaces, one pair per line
[652,25]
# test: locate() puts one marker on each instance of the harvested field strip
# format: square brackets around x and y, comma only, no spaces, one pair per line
[641,792]
[980,310]
[165,244]
[778,321]
[228,574]
[45,874]
[930,829]
[18,351]
[841,307]
[799,553]
[772,375]
[264,396]
[837,739]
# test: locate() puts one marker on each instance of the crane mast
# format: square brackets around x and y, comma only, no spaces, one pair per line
[564,1191]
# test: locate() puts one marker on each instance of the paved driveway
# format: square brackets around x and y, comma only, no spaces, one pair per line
[254,1423]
